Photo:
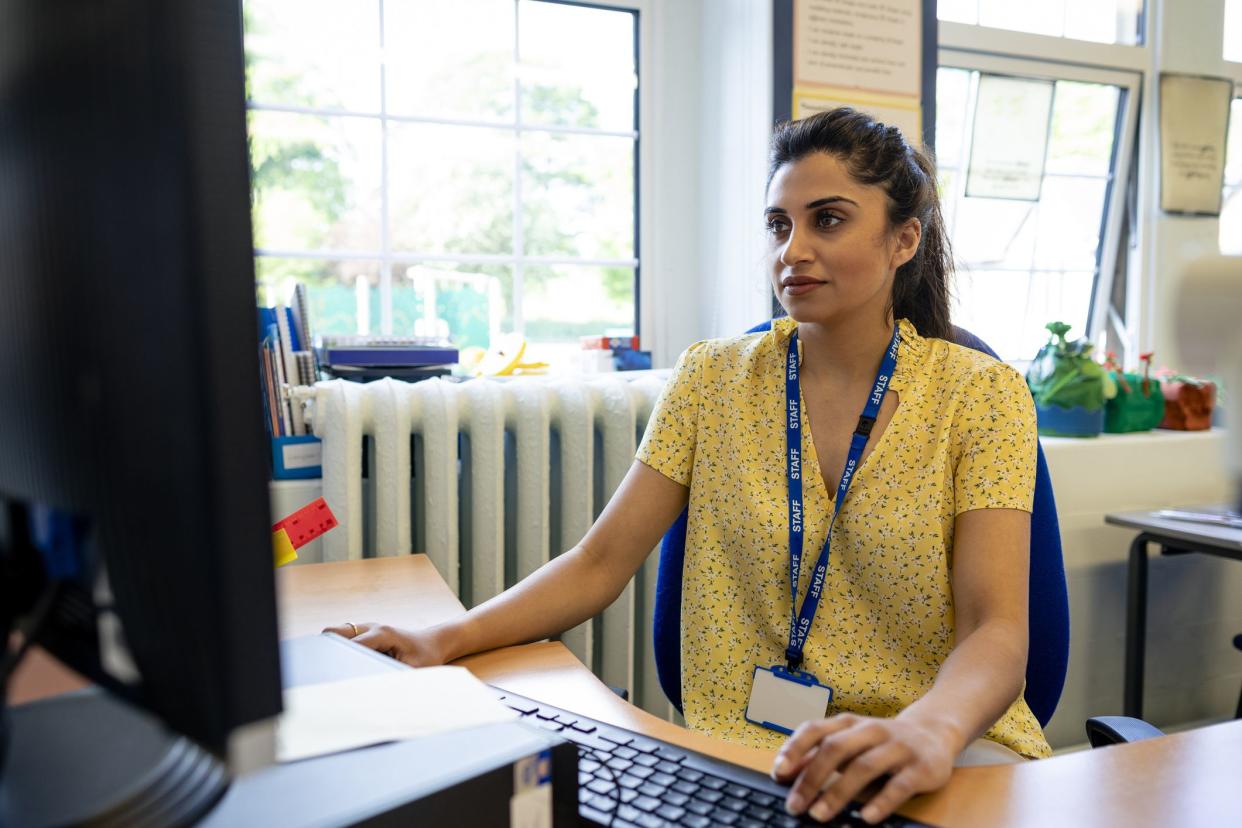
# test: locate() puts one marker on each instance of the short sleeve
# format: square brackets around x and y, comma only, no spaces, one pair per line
[996,442]
[669,443]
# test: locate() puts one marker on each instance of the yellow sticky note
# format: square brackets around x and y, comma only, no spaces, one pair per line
[282,548]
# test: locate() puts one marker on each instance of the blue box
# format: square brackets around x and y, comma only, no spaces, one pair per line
[297,458]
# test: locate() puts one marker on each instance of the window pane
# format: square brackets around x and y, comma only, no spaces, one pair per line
[1008,310]
[470,304]
[1103,21]
[561,304]
[1046,17]
[1231,222]
[1084,118]
[342,295]
[1233,30]
[958,11]
[450,60]
[578,196]
[952,100]
[994,232]
[576,66]
[1068,223]
[316,181]
[314,53]
[1233,152]
[1018,260]
[450,189]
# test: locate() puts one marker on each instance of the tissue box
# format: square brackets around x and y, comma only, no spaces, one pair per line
[297,458]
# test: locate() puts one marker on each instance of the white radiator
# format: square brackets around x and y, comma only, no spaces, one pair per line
[490,479]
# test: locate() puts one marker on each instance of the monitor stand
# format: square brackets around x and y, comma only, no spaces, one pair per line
[87,757]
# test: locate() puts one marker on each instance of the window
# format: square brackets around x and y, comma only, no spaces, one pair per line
[460,168]
[1022,264]
[1233,31]
[1231,204]
[1102,21]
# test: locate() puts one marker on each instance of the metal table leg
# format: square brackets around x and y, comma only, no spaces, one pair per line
[1136,626]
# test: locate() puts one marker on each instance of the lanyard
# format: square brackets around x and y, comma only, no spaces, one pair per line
[800,626]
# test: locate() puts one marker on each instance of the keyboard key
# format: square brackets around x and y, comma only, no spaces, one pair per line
[648,789]
[629,813]
[695,821]
[739,791]
[784,821]
[671,754]
[646,803]
[663,779]
[713,782]
[675,798]
[599,817]
[733,803]
[670,812]
[583,727]
[758,812]
[525,708]
[651,821]
[709,795]
[665,766]
[725,817]
[587,765]
[566,719]
[616,737]
[601,786]
[627,781]
[762,800]
[640,771]
[689,774]
[698,806]
[584,778]
[745,822]
[546,715]
[625,752]
[685,787]
[619,765]
[589,742]
[628,796]
[646,760]
[644,746]
[584,795]
[602,803]
[546,725]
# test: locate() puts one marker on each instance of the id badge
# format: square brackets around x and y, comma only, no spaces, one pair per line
[781,700]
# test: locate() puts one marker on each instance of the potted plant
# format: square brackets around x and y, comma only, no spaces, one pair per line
[1139,403]
[1069,387]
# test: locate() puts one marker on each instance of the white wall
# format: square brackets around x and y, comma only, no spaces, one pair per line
[1193,672]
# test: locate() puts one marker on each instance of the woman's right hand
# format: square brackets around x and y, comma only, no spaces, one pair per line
[417,648]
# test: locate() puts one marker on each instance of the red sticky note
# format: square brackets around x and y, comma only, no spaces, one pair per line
[307,523]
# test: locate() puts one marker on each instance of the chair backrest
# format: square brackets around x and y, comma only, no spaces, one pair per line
[1048,649]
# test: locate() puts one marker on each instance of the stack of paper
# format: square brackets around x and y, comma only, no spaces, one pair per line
[402,704]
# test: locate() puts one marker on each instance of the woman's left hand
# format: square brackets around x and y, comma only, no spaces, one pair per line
[916,756]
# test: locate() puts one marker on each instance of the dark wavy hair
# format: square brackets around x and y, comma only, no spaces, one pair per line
[877,154]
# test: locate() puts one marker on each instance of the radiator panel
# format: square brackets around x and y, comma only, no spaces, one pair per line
[508,473]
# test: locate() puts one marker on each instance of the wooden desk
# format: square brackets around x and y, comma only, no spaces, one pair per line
[1185,779]
[1173,537]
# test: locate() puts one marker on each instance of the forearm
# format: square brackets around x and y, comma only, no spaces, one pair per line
[561,594]
[977,683]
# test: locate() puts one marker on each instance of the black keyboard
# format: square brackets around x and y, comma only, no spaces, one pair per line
[626,779]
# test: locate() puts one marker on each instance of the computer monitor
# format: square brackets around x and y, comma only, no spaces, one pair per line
[134,527]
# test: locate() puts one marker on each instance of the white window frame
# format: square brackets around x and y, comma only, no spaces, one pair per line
[1130,83]
[388,258]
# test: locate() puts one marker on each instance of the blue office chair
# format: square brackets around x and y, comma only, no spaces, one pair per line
[1049,601]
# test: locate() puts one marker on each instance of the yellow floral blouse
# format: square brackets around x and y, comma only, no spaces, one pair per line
[963,437]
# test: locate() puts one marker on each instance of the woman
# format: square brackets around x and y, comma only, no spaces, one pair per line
[922,591]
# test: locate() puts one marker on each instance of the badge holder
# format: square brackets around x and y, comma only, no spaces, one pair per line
[781,699]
